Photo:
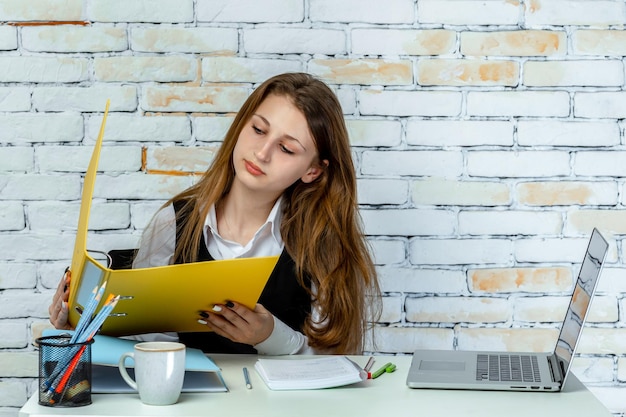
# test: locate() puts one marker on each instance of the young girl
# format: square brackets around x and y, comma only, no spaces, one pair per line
[282,183]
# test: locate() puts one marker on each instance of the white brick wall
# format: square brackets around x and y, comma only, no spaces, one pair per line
[488,139]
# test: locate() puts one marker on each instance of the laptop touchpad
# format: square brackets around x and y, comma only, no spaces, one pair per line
[441,366]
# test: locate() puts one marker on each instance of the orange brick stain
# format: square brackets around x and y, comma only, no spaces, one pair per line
[431,42]
[367,71]
[167,97]
[542,42]
[187,160]
[555,193]
[460,72]
[520,279]
[514,43]
[498,71]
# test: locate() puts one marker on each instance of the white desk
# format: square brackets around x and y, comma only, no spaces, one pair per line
[384,396]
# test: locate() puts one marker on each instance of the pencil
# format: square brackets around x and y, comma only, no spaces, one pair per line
[97,322]
[90,308]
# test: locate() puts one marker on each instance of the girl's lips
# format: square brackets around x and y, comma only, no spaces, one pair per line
[253,169]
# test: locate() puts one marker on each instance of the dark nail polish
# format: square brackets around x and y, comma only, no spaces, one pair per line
[230,304]
[203,314]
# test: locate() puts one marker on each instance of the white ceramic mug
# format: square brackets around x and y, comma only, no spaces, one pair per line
[159,371]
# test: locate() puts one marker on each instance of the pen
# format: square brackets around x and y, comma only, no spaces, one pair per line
[388,367]
[246,376]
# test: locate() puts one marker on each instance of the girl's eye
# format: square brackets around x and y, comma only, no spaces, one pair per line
[257,130]
[286,150]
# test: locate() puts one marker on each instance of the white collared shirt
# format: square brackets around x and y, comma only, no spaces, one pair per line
[157,249]
[267,240]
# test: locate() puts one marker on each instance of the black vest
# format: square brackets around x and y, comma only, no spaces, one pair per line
[283,296]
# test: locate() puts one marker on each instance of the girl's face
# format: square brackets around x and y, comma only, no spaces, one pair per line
[275,149]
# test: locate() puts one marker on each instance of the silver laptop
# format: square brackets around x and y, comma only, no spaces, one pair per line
[516,371]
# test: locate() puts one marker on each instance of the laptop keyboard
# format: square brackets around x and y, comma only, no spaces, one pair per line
[507,367]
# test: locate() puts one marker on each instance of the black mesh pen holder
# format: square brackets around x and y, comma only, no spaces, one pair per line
[64,372]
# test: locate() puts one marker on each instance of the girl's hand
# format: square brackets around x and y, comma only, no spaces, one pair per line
[238,323]
[58,309]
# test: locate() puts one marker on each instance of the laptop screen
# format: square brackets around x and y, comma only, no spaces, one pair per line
[581,299]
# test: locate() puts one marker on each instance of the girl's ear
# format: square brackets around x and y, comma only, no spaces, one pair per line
[314,171]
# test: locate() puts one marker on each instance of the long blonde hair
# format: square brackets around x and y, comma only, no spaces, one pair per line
[321,225]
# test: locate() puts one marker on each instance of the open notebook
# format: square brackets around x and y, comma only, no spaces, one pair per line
[158,299]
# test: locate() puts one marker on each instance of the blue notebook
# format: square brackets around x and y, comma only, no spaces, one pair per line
[201,375]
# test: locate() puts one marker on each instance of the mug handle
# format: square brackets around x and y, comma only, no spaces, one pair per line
[122,366]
